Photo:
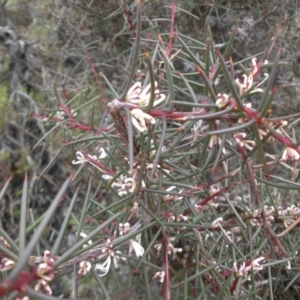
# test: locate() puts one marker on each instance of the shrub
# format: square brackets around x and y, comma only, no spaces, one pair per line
[194,186]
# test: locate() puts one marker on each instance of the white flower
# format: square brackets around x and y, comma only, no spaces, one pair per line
[104,267]
[170,247]
[169,197]
[139,119]
[247,81]
[240,139]
[91,159]
[214,141]
[255,68]
[44,269]
[45,273]
[290,154]
[124,228]
[62,115]
[80,158]
[282,211]
[141,97]
[256,216]
[292,211]
[6,264]
[84,268]
[213,189]
[136,246]
[129,184]
[4,242]
[216,222]
[159,276]
[181,217]
[102,152]
[42,285]
[239,272]
[255,264]
[245,84]
[244,269]
[124,188]
[158,167]
[222,100]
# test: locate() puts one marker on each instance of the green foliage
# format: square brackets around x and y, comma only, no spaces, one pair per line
[4,104]
[192,180]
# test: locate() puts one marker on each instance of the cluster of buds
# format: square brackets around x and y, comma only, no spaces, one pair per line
[46,274]
[60,116]
[124,228]
[84,266]
[44,270]
[6,263]
[177,218]
[134,244]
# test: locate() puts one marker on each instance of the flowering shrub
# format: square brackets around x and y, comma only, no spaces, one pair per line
[194,172]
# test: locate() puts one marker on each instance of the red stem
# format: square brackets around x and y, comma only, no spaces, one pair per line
[171,35]
[167,286]
[25,278]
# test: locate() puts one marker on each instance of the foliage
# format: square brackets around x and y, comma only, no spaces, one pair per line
[194,183]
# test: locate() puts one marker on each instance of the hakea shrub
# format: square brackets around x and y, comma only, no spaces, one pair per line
[201,180]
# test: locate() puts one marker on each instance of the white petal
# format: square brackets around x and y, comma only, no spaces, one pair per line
[104,267]
[138,248]
[103,153]
[133,88]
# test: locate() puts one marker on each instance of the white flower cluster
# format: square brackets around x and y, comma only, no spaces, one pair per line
[244,268]
[141,98]
[246,85]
